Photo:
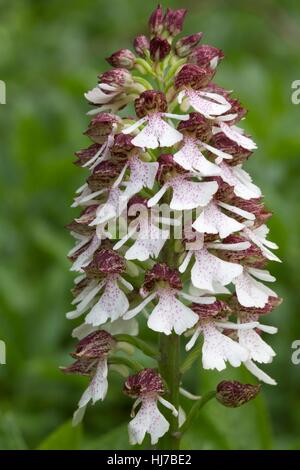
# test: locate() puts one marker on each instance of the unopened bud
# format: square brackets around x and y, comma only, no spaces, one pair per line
[233,393]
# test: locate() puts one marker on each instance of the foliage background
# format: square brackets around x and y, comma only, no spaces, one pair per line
[50,53]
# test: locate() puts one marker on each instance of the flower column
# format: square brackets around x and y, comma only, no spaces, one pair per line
[182,151]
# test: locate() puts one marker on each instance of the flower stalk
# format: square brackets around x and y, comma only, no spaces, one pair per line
[171,234]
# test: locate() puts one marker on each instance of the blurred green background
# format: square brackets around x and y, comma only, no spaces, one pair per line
[50,53]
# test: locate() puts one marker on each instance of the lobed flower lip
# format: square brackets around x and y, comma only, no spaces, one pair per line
[161,272]
[101,127]
[159,48]
[144,383]
[198,126]
[218,310]
[104,174]
[123,58]
[141,45]
[237,308]
[105,261]
[185,45]
[233,393]
[94,346]
[173,21]
[238,153]
[191,75]
[204,54]
[150,101]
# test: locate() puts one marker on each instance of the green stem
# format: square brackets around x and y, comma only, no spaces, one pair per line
[195,410]
[169,369]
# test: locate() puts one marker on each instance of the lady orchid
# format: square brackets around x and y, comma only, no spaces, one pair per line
[171,235]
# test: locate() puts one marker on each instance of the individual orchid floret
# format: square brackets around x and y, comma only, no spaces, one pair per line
[233,393]
[209,270]
[149,238]
[217,347]
[184,46]
[123,58]
[111,85]
[91,360]
[196,131]
[238,154]
[250,292]
[259,237]
[163,284]
[104,274]
[142,173]
[147,387]
[189,82]
[151,107]
[206,56]
[186,194]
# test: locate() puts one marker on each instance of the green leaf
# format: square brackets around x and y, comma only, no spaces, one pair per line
[65,437]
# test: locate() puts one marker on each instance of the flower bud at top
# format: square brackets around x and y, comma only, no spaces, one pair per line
[193,76]
[233,393]
[119,78]
[161,273]
[101,126]
[197,126]
[105,261]
[150,101]
[156,21]
[141,45]
[206,56]
[185,45]
[159,48]
[123,58]
[173,21]
[144,383]
[95,345]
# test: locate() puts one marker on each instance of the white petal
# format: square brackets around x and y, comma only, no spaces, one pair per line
[237,137]
[212,220]
[190,158]
[142,174]
[148,420]
[251,293]
[190,195]
[193,340]
[112,304]
[134,311]
[170,314]
[133,127]
[207,104]
[241,182]
[209,269]
[259,373]
[168,405]
[237,210]
[258,349]
[218,349]
[97,389]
